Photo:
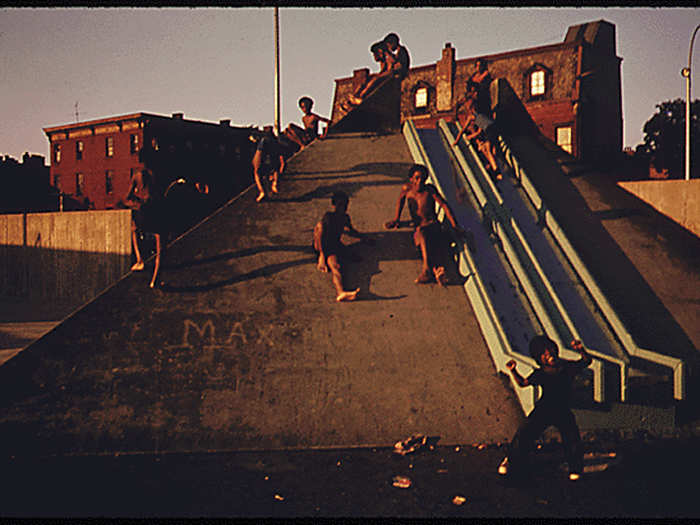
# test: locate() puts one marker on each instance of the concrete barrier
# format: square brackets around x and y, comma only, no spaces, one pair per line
[66,256]
[677,199]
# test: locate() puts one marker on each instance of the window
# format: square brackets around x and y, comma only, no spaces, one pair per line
[109,184]
[421,98]
[57,181]
[109,147]
[79,184]
[537,83]
[79,146]
[134,143]
[564,138]
[57,153]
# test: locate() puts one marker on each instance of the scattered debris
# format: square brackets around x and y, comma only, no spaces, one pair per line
[459,500]
[401,482]
[279,498]
[442,471]
[411,444]
[542,501]
[267,478]
[482,446]
[338,464]
[410,465]
[456,449]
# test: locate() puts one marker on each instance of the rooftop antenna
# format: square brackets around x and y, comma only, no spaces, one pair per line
[77,114]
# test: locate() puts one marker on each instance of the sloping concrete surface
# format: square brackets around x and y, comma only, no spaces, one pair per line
[244,347]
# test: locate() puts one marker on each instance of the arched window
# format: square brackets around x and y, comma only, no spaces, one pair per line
[537,82]
[421,97]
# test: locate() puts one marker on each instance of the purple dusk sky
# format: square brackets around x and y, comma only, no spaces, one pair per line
[216,63]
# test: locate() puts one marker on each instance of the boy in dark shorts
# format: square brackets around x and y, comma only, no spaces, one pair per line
[403,60]
[555,376]
[148,215]
[305,136]
[268,162]
[331,251]
[421,199]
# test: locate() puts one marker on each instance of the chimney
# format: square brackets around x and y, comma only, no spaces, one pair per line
[359,78]
[177,116]
[225,122]
[445,78]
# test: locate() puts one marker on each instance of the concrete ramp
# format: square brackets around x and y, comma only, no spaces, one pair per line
[246,348]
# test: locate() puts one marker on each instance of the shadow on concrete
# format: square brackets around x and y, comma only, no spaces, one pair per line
[389,246]
[391,169]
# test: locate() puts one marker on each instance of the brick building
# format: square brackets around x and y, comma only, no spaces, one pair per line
[570,89]
[25,185]
[93,161]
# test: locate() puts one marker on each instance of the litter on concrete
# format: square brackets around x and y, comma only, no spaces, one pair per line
[401,482]
[410,444]
[459,500]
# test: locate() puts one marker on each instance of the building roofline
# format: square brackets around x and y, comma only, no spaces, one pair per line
[496,56]
[130,116]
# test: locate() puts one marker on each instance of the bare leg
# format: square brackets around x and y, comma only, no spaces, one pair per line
[258,183]
[425,275]
[138,265]
[275,179]
[342,295]
[157,264]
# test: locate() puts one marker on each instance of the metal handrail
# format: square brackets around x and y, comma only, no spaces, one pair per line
[678,366]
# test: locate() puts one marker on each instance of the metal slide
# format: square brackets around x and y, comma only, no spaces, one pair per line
[500,300]
[524,277]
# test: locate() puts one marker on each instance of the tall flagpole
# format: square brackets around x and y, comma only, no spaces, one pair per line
[277,71]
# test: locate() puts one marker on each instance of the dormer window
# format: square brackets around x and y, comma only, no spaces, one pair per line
[421,98]
[537,84]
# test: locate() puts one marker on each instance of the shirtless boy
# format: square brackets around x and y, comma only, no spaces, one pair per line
[330,248]
[400,53]
[387,63]
[427,236]
[305,136]
[268,161]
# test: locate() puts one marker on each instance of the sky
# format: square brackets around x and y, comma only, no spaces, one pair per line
[218,63]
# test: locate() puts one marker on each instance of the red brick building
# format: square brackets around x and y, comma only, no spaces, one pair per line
[570,89]
[94,161]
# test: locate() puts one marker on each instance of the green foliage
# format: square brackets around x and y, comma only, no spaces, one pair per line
[664,136]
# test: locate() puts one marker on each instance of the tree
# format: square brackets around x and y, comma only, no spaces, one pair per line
[664,137]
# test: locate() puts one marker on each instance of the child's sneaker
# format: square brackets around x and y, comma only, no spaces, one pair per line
[503,467]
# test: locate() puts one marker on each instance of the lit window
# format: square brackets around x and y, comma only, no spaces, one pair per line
[564,138]
[537,83]
[134,143]
[421,100]
[57,153]
[109,147]
[79,183]
[79,146]
[109,185]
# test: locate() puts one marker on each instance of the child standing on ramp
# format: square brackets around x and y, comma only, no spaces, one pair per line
[555,375]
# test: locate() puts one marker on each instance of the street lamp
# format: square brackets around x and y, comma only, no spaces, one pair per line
[685,72]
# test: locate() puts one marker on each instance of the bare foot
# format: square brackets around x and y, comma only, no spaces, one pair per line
[347,296]
[440,276]
[274,187]
[424,278]
[137,267]
[260,197]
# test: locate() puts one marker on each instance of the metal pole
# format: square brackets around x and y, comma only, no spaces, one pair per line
[686,73]
[277,71]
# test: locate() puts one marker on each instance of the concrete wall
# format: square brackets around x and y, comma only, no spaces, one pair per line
[677,199]
[69,256]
